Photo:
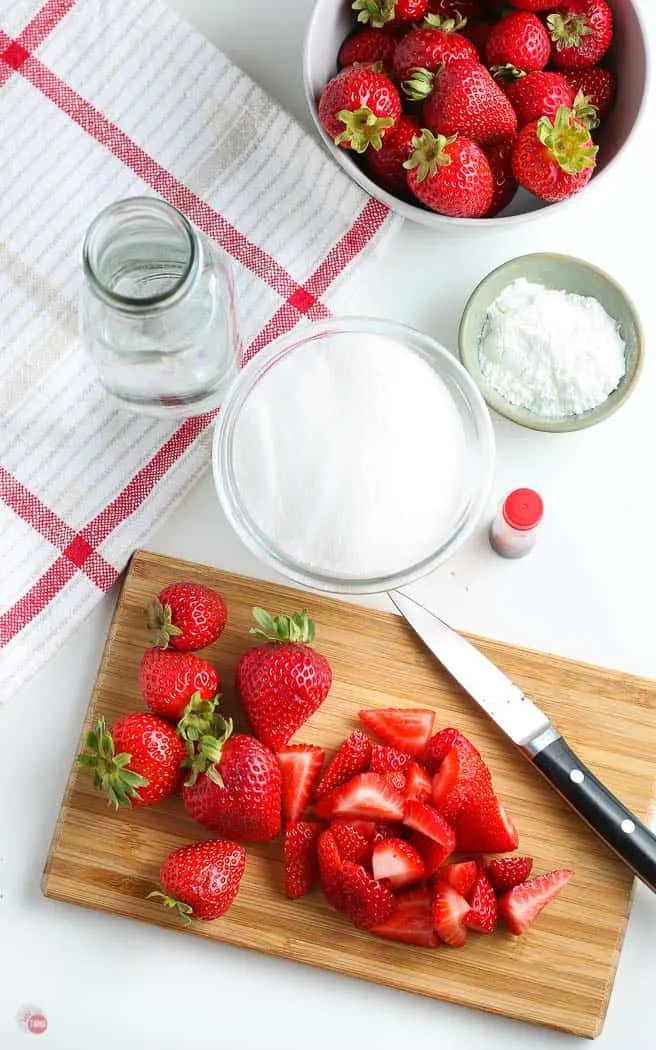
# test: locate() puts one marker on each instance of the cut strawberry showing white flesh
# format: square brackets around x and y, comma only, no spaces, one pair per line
[522,905]
[461,875]
[365,797]
[418,783]
[300,768]
[449,913]
[406,729]
[397,862]
[411,921]
[428,822]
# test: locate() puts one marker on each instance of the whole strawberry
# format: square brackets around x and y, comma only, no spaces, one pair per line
[467,101]
[187,616]
[358,106]
[427,48]
[168,681]
[234,787]
[539,94]
[379,13]
[554,161]
[368,45]
[202,880]
[581,33]
[385,166]
[450,176]
[519,39]
[137,763]
[499,157]
[282,682]
[596,84]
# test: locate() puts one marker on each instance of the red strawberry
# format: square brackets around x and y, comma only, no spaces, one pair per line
[539,95]
[485,828]
[395,780]
[499,157]
[352,843]
[597,84]
[506,872]
[449,913]
[379,13]
[441,743]
[282,682]
[352,757]
[432,853]
[426,48]
[418,783]
[461,875]
[478,34]
[168,681]
[358,107]
[300,851]
[519,39]
[385,166]
[427,821]
[367,902]
[404,728]
[187,616]
[368,45]
[201,881]
[239,793]
[554,161]
[329,864]
[398,862]
[136,763]
[534,5]
[384,829]
[469,9]
[521,905]
[386,759]
[483,911]
[300,768]
[581,33]
[411,921]
[467,101]
[364,797]
[461,782]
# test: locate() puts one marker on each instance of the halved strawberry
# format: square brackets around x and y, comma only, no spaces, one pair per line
[441,743]
[522,905]
[449,913]
[300,767]
[329,864]
[300,853]
[418,783]
[351,842]
[462,781]
[411,921]
[506,872]
[352,757]
[446,777]
[486,828]
[385,759]
[428,822]
[365,797]
[483,910]
[395,780]
[461,875]
[407,729]
[398,862]
[367,902]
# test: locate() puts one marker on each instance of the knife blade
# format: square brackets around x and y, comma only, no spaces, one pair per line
[529,729]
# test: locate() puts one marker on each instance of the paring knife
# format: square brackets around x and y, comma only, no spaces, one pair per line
[539,740]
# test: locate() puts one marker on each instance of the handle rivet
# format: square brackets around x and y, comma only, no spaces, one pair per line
[576,776]
[627,826]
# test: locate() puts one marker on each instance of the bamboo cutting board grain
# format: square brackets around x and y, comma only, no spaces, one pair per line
[559,974]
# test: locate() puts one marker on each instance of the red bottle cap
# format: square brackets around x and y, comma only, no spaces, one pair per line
[523,509]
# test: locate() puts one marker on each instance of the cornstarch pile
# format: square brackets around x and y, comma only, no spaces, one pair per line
[552,352]
[349,456]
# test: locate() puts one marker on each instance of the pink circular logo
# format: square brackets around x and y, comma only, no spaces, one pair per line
[36,1024]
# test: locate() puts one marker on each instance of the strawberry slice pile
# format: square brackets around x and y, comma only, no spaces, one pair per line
[404,859]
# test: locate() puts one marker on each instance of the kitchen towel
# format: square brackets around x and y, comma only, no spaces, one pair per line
[99,100]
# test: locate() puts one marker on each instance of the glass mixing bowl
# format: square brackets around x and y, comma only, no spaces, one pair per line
[469,502]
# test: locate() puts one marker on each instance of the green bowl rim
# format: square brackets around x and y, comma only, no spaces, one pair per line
[570,423]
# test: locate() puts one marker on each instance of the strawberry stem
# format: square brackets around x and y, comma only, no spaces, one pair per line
[362,129]
[419,84]
[429,154]
[585,111]
[567,30]
[507,73]
[375,12]
[205,741]
[185,911]
[568,141]
[295,628]
[446,24]
[111,775]
[159,620]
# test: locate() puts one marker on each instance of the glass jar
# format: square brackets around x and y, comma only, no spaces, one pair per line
[157,309]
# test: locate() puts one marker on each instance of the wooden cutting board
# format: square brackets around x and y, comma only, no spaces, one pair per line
[559,974]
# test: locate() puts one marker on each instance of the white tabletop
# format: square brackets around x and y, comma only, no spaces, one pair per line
[585,592]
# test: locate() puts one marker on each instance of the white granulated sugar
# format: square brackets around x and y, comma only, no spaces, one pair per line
[552,352]
[349,456]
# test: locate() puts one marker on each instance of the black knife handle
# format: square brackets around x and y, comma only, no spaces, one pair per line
[621,830]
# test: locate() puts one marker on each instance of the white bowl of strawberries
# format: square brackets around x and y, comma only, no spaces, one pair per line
[453,111]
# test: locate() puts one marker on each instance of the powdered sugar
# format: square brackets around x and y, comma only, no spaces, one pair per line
[552,352]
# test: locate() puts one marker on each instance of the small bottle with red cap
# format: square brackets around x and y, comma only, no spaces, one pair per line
[514,530]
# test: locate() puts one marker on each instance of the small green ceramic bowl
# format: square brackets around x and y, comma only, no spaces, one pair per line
[571,275]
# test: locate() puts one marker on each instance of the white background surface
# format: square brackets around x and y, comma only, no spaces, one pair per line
[586,592]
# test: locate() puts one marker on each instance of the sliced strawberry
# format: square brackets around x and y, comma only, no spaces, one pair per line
[446,777]
[461,875]
[441,743]
[462,781]
[367,902]
[385,829]
[522,905]
[300,768]
[329,864]
[351,842]
[486,828]
[300,853]
[411,921]
[506,872]
[396,780]
[385,759]
[418,783]
[483,910]
[406,729]
[352,757]
[428,822]
[398,862]
[432,852]
[366,797]
[449,913]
